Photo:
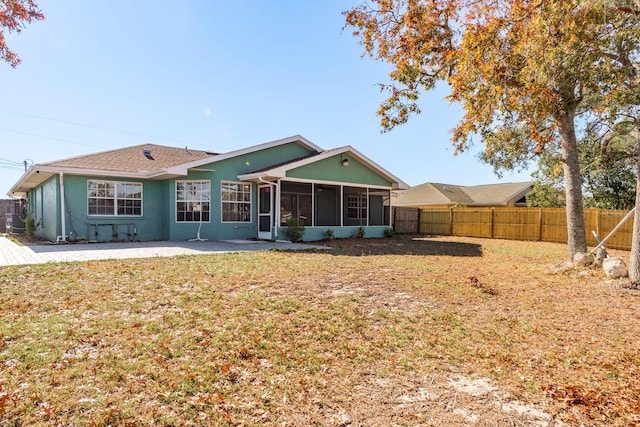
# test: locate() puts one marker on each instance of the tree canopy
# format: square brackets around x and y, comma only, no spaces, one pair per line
[522,70]
[607,165]
[14,15]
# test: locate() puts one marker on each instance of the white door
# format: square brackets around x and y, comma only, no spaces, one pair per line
[265,212]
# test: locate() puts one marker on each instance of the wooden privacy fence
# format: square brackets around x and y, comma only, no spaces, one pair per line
[539,224]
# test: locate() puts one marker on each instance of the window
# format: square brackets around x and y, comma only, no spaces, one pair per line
[236,201]
[114,198]
[357,207]
[193,201]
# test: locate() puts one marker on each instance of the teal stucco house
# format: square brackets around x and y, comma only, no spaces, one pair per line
[153,192]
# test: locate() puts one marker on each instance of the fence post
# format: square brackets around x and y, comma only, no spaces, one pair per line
[450,221]
[492,222]
[540,226]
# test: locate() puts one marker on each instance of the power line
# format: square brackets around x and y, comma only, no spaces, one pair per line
[48,137]
[13,165]
[105,128]
[10,162]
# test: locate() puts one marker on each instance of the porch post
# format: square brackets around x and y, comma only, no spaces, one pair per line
[368,207]
[313,204]
[276,206]
[390,209]
[342,206]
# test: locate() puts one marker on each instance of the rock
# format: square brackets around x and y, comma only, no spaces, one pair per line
[563,268]
[614,268]
[582,259]
[601,254]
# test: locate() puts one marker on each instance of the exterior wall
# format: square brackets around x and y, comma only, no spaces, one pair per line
[44,208]
[318,233]
[228,170]
[51,209]
[81,225]
[331,169]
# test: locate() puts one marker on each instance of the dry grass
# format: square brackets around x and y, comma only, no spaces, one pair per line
[395,331]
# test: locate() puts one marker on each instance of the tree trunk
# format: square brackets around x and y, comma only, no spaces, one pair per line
[634,262]
[577,239]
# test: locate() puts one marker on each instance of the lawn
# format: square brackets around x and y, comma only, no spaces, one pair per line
[401,331]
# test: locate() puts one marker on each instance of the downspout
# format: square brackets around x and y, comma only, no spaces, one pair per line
[275,202]
[62,238]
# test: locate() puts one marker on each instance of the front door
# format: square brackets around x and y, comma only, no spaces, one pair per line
[265,212]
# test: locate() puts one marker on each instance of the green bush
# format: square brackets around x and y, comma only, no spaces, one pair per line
[29,226]
[359,233]
[295,229]
[389,232]
[328,235]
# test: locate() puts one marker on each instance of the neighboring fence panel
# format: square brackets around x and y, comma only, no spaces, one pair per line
[516,223]
[607,220]
[436,222]
[471,222]
[547,225]
[7,206]
[405,220]
[554,225]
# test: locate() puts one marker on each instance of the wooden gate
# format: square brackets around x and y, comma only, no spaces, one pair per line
[406,220]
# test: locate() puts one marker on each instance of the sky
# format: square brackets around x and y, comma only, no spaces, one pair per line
[212,75]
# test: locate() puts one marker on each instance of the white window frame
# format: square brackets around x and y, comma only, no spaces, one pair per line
[361,206]
[197,201]
[115,197]
[234,200]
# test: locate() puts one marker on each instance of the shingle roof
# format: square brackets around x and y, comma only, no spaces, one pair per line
[496,193]
[133,159]
[432,193]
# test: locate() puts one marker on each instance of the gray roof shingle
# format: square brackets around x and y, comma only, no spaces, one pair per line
[133,159]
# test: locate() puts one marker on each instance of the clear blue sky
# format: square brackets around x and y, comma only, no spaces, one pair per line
[207,74]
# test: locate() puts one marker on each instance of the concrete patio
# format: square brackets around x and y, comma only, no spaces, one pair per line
[12,253]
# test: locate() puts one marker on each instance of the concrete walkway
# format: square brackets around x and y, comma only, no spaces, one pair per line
[14,254]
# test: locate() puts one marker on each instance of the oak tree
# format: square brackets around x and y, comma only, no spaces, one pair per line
[14,15]
[524,71]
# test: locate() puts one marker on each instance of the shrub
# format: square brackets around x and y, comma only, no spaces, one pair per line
[359,233]
[388,232]
[295,229]
[328,234]
[29,226]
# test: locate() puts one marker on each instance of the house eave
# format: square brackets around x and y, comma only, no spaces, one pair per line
[37,174]
[281,171]
[243,151]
